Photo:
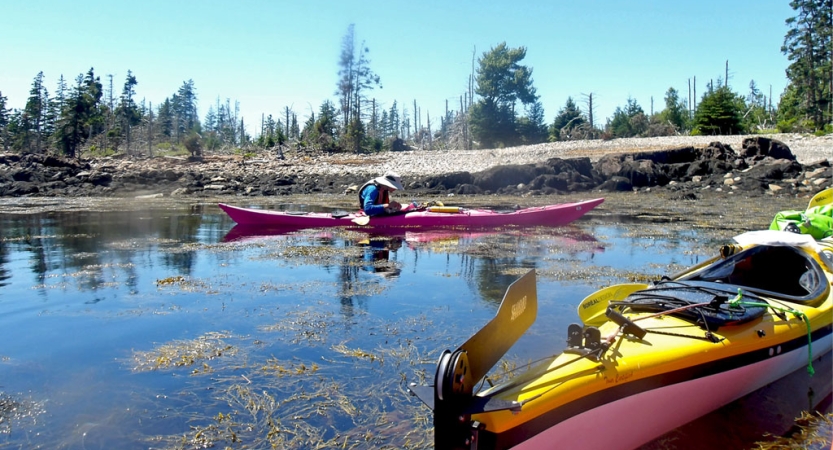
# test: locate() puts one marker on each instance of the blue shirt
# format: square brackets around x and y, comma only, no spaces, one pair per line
[369,206]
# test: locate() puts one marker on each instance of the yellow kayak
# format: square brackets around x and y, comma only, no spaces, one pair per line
[647,358]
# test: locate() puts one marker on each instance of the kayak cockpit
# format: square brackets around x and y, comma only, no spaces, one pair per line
[781,272]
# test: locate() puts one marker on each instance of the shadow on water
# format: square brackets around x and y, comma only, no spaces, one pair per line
[169,327]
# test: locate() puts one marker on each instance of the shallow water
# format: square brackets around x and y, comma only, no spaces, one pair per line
[164,326]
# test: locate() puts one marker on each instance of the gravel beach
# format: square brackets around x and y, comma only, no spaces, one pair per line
[806,148]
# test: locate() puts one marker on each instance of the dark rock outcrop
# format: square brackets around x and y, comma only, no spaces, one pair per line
[762,165]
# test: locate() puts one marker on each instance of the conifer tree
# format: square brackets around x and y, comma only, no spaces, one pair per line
[34,115]
[676,110]
[501,82]
[393,120]
[4,122]
[568,118]
[808,46]
[127,110]
[355,77]
[719,112]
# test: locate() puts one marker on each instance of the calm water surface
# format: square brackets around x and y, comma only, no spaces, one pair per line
[169,327]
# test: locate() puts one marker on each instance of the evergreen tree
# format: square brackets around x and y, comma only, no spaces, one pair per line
[274,133]
[393,121]
[76,114]
[501,82]
[127,110]
[210,122]
[165,119]
[4,122]
[70,133]
[628,122]
[56,105]
[184,106]
[34,115]
[808,46]
[720,112]
[355,77]
[294,128]
[756,116]
[322,132]
[676,110]
[384,125]
[405,125]
[568,119]
[93,116]
[532,128]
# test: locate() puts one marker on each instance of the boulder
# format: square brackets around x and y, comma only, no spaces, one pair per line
[617,183]
[502,176]
[717,151]
[643,173]
[759,147]
[449,180]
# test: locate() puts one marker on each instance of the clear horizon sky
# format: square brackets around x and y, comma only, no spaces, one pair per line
[269,55]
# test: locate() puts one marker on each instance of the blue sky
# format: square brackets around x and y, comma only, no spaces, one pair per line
[269,55]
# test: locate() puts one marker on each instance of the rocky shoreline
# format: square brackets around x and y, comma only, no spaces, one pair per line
[686,166]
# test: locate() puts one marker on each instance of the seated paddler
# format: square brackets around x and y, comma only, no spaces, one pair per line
[374,196]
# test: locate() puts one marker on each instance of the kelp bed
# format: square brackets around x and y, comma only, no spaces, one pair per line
[269,402]
[261,401]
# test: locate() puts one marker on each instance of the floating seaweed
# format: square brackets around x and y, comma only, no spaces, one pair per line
[812,431]
[14,411]
[184,353]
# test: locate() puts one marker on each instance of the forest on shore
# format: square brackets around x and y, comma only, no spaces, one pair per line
[501,108]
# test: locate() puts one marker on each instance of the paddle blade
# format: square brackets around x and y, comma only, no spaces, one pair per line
[361,220]
[592,309]
[516,313]
[821,198]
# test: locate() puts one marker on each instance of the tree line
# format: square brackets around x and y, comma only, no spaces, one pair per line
[500,108]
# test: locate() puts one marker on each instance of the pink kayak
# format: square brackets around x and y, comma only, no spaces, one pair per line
[551,215]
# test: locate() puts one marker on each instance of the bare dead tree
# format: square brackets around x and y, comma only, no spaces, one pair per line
[416,119]
[286,123]
[471,76]
[726,80]
[588,101]
[430,137]
[689,98]
[150,129]
[457,136]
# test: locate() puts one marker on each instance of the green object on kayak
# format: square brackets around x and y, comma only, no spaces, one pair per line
[816,221]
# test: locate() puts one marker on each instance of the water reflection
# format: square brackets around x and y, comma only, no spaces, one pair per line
[482,255]
[90,248]
[326,326]
[4,260]
[376,257]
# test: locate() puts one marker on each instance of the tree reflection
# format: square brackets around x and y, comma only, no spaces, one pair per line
[4,261]
[93,248]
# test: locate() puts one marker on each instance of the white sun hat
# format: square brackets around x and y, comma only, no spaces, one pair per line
[391,180]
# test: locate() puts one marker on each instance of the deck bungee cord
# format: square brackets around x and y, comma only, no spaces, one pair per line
[738,302]
[784,311]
